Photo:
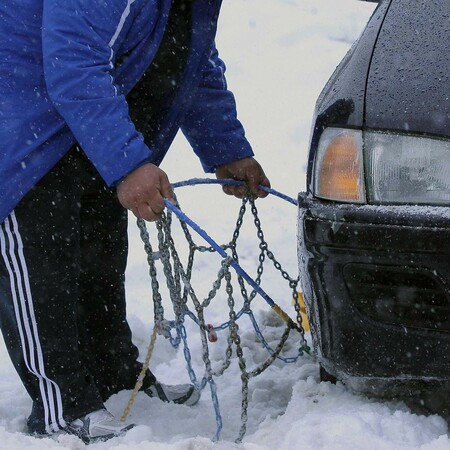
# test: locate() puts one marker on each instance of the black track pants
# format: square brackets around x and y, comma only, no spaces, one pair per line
[62,300]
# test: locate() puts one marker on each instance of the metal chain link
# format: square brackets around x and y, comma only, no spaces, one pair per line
[178,282]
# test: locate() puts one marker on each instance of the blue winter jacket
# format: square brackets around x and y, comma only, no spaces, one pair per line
[61,82]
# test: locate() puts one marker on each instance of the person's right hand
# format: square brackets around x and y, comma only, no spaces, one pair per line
[143,192]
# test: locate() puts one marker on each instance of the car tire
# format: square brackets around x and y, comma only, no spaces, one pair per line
[326,376]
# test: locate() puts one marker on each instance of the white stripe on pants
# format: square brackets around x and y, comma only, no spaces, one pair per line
[12,252]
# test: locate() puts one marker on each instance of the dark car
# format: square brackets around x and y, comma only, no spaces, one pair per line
[374,224]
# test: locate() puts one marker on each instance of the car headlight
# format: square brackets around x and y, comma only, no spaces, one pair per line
[399,168]
[407,169]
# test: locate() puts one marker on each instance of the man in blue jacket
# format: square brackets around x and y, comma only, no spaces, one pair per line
[92,94]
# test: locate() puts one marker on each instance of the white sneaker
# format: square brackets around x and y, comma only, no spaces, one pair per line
[180,394]
[99,425]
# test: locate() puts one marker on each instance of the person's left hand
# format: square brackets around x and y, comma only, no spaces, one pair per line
[247,170]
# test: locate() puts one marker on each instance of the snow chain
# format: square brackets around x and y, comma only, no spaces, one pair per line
[177,279]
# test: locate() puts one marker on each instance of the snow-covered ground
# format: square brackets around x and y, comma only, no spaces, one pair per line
[279,54]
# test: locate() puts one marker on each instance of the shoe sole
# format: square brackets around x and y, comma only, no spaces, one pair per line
[90,440]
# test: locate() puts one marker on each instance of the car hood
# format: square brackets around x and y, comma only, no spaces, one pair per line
[408,84]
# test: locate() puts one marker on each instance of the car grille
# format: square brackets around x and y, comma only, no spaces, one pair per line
[399,296]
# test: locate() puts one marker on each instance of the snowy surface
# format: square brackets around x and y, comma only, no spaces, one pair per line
[279,54]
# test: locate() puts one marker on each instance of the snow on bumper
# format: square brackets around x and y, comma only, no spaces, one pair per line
[376,281]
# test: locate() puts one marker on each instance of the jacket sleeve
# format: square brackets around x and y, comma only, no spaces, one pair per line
[211,124]
[78,38]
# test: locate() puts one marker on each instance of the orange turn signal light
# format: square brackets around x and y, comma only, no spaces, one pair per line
[339,166]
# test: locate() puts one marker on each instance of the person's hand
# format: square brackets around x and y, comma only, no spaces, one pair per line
[143,192]
[247,170]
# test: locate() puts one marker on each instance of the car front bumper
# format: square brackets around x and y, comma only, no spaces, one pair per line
[376,281]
